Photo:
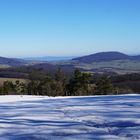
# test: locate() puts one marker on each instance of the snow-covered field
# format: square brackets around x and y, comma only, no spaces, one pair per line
[70,118]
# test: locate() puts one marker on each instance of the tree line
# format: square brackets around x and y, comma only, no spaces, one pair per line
[78,84]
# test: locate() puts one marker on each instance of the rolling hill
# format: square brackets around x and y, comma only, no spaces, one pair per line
[8,62]
[108,62]
[105,56]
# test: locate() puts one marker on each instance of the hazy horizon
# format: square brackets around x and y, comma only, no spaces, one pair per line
[64,56]
[36,28]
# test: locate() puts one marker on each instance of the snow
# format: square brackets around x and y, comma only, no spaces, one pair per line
[70,118]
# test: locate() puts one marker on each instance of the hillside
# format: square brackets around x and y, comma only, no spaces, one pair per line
[7,62]
[46,67]
[108,62]
[105,56]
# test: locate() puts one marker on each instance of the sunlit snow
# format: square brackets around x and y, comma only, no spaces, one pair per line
[70,118]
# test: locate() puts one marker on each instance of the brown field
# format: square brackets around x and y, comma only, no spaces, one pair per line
[2,80]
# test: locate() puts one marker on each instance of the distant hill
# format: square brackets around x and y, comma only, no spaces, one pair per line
[108,62]
[137,57]
[11,62]
[23,70]
[105,56]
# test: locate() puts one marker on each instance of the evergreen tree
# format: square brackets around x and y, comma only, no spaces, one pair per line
[79,84]
[104,86]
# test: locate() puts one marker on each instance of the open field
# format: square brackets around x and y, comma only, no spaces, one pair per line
[117,66]
[70,118]
[2,80]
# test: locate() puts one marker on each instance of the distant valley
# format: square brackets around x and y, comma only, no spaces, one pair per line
[50,58]
[103,62]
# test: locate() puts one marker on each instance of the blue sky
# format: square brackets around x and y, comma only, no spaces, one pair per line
[68,27]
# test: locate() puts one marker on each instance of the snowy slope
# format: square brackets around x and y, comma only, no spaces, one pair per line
[70,118]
